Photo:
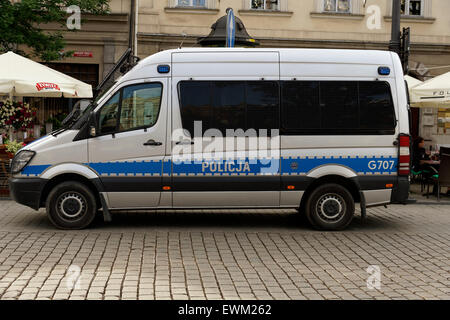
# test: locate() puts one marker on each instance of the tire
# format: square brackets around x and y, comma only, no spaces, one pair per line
[330,207]
[71,205]
[301,216]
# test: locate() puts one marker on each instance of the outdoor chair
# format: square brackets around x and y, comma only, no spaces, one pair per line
[443,179]
[418,176]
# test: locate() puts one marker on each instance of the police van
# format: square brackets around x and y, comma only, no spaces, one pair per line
[311,129]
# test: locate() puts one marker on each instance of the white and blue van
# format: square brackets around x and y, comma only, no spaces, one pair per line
[312,129]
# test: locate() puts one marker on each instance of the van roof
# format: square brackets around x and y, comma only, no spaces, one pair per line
[147,67]
[290,54]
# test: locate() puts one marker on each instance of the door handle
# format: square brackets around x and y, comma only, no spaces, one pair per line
[152,142]
[185,142]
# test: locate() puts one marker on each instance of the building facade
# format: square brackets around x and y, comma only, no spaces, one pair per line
[349,24]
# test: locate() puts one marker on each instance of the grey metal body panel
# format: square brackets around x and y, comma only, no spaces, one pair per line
[291,199]
[118,200]
[377,197]
[213,199]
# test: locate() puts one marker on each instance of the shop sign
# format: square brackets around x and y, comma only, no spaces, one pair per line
[47,86]
[83,54]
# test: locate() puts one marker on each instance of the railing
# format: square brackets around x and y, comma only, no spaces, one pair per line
[208,4]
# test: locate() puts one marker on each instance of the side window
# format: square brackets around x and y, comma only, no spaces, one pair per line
[301,109]
[229,105]
[195,104]
[140,106]
[108,115]
[337,107]
[339,102]
[228,99]
[262,99]
[376,106]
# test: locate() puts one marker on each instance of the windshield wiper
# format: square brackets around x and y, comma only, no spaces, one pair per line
[58,131]
[66,126]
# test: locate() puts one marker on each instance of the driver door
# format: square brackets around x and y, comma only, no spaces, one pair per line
[129,148]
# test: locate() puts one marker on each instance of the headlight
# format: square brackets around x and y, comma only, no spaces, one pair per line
[21,159]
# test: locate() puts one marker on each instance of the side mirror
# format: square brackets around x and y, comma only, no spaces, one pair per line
[92,124]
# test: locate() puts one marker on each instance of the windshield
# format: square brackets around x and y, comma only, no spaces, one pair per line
[83,116]
[78,123]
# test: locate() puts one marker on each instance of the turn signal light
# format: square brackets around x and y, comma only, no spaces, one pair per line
[166,188]
[290,187]
[389,185]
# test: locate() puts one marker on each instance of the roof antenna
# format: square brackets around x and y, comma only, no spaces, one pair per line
[182,41]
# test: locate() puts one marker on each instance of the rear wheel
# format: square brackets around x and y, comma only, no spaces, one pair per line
[71,205]
[330,207]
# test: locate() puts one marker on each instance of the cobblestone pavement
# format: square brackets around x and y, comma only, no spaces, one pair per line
[226,254]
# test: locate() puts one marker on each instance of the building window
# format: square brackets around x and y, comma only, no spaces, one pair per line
[411,7]
[336,6]
[192,3]
[265,4]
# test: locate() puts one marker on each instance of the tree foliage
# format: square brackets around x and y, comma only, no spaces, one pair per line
[21,23]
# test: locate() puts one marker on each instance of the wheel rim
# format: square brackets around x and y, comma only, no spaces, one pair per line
[331,207]
[71,206]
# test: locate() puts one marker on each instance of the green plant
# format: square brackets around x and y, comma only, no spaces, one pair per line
[22,22]
[14,146]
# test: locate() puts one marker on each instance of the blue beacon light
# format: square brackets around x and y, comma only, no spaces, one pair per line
[384,71]
[163,68]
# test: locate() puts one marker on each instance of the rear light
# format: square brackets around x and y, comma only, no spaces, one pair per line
[404,157]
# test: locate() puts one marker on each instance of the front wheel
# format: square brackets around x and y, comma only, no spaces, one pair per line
[330,207]
[71,205]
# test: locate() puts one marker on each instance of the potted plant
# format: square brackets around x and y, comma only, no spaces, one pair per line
[12,146]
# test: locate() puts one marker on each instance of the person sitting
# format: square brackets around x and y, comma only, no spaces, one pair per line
[421,159]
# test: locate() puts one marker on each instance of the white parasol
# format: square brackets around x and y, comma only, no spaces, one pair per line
[20,76]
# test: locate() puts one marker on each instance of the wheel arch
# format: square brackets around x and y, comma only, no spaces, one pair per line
[93,185]
[347,182]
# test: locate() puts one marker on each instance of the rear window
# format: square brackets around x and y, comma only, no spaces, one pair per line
[376,107]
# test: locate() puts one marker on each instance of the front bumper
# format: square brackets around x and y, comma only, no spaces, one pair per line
[27,191]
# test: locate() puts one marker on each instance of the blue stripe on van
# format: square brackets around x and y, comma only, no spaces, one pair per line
[167,167]
[127,167]
[287,166]
[227,167]
[34,170]
[365,165]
